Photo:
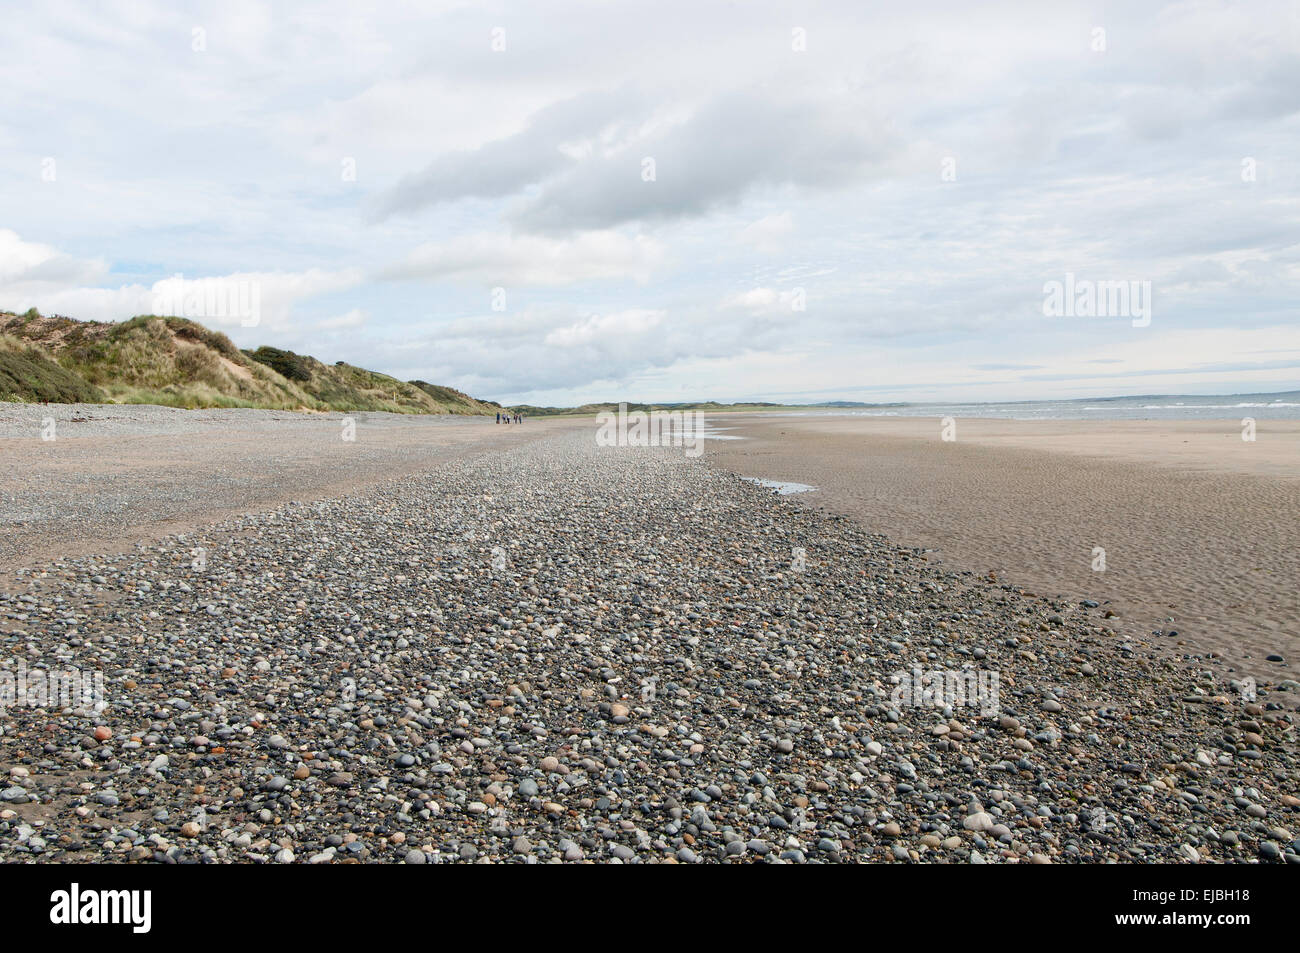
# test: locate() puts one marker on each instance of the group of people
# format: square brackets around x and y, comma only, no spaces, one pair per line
[509,418]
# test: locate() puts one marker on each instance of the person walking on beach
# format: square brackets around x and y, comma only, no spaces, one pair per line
[498,416]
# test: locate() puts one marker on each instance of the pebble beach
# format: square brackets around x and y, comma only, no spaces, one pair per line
[554,652]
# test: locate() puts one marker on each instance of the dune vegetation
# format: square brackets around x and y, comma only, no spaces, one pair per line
[177,362]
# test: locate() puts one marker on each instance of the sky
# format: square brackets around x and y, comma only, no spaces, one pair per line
[575,201]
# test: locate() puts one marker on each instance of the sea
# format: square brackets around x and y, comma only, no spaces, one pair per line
[1277,406]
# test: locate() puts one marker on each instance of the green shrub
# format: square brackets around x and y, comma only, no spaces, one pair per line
[29,376]
[286,363]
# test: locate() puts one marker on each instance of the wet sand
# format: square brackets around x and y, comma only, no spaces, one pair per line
[1199,527]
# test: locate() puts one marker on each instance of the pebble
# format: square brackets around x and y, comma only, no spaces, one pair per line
[386,695]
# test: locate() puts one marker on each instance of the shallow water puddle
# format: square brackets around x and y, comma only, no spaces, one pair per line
[710,433]
[782,487]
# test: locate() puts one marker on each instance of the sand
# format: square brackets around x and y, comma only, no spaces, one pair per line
[115,476]
[1198,526]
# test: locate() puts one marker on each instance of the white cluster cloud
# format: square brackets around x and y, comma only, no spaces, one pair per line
[31,267]
[36,275]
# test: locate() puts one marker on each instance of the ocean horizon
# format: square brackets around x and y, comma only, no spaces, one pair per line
[1284,405]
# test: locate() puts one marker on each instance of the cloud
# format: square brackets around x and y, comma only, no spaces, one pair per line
[506,260]
[728,148]
[768,234]
[29,267]
[351,319]
[546,349]
[40,276]
[248,299]
[773,170]
[554,139]
[765,301]
[603,329]
[587,157]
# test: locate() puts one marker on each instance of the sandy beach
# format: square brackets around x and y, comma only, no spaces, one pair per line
[1198,526]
